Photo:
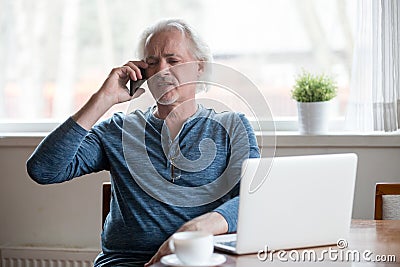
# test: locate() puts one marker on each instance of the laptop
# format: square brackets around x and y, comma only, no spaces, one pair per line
[300,201]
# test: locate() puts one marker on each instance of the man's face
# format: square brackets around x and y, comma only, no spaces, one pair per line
[165,54]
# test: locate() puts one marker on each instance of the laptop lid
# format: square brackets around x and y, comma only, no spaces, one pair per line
[304,201]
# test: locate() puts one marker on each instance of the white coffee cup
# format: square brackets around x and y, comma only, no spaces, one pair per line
[192,248]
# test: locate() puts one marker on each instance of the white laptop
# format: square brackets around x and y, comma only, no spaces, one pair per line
[304,201]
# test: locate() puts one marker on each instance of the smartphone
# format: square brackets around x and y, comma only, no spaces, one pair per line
[134,85]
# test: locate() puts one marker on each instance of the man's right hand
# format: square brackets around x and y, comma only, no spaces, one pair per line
[113,91]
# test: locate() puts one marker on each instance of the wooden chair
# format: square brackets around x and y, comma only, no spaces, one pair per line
[106,200]
[382,190]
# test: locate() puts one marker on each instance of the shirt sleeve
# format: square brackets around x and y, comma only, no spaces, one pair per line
[229,209]
[67,152]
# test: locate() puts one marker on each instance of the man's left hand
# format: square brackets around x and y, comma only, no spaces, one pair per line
[211,222]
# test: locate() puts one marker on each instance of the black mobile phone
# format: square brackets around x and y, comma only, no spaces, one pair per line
[134,85]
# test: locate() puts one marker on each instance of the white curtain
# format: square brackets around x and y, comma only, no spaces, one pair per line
[374,103]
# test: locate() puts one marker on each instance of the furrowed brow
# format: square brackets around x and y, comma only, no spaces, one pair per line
[151,57]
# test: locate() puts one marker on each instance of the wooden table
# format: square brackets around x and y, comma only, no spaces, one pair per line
[368,237]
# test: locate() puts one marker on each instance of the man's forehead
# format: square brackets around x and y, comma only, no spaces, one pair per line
[166,43]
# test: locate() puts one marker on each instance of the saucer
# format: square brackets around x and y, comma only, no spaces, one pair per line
[172,260]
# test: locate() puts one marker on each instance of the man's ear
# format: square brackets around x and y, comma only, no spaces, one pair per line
[201,66]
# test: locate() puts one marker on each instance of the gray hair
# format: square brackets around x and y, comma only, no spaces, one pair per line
[199,48]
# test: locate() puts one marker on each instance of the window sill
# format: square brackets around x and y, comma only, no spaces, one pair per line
[283,139]
[335,139]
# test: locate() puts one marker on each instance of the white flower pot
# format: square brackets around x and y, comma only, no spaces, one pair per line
[314,117]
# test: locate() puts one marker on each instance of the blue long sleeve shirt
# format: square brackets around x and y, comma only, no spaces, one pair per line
[158,183]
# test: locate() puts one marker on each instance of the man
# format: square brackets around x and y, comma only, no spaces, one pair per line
[143,148]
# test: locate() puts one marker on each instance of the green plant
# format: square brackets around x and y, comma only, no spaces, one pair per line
[314,88]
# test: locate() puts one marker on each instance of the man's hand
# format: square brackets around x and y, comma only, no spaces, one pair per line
[114,88]
[113,91]
[211,222]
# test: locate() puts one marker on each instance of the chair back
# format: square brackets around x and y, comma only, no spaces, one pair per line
[106,201]
[387,201]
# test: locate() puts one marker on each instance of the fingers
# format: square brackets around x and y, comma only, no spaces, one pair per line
[162,251]
[121,73]
[154,259]
[151,261]
[134,69]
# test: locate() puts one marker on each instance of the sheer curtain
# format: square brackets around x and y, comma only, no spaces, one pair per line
[374,103]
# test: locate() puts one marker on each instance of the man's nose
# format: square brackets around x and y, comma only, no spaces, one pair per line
[163,67]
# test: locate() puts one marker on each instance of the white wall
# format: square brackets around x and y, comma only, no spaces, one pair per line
[69,214]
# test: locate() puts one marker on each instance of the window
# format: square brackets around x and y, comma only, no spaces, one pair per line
[55,54]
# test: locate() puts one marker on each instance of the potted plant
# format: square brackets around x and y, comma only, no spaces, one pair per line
[313,94]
